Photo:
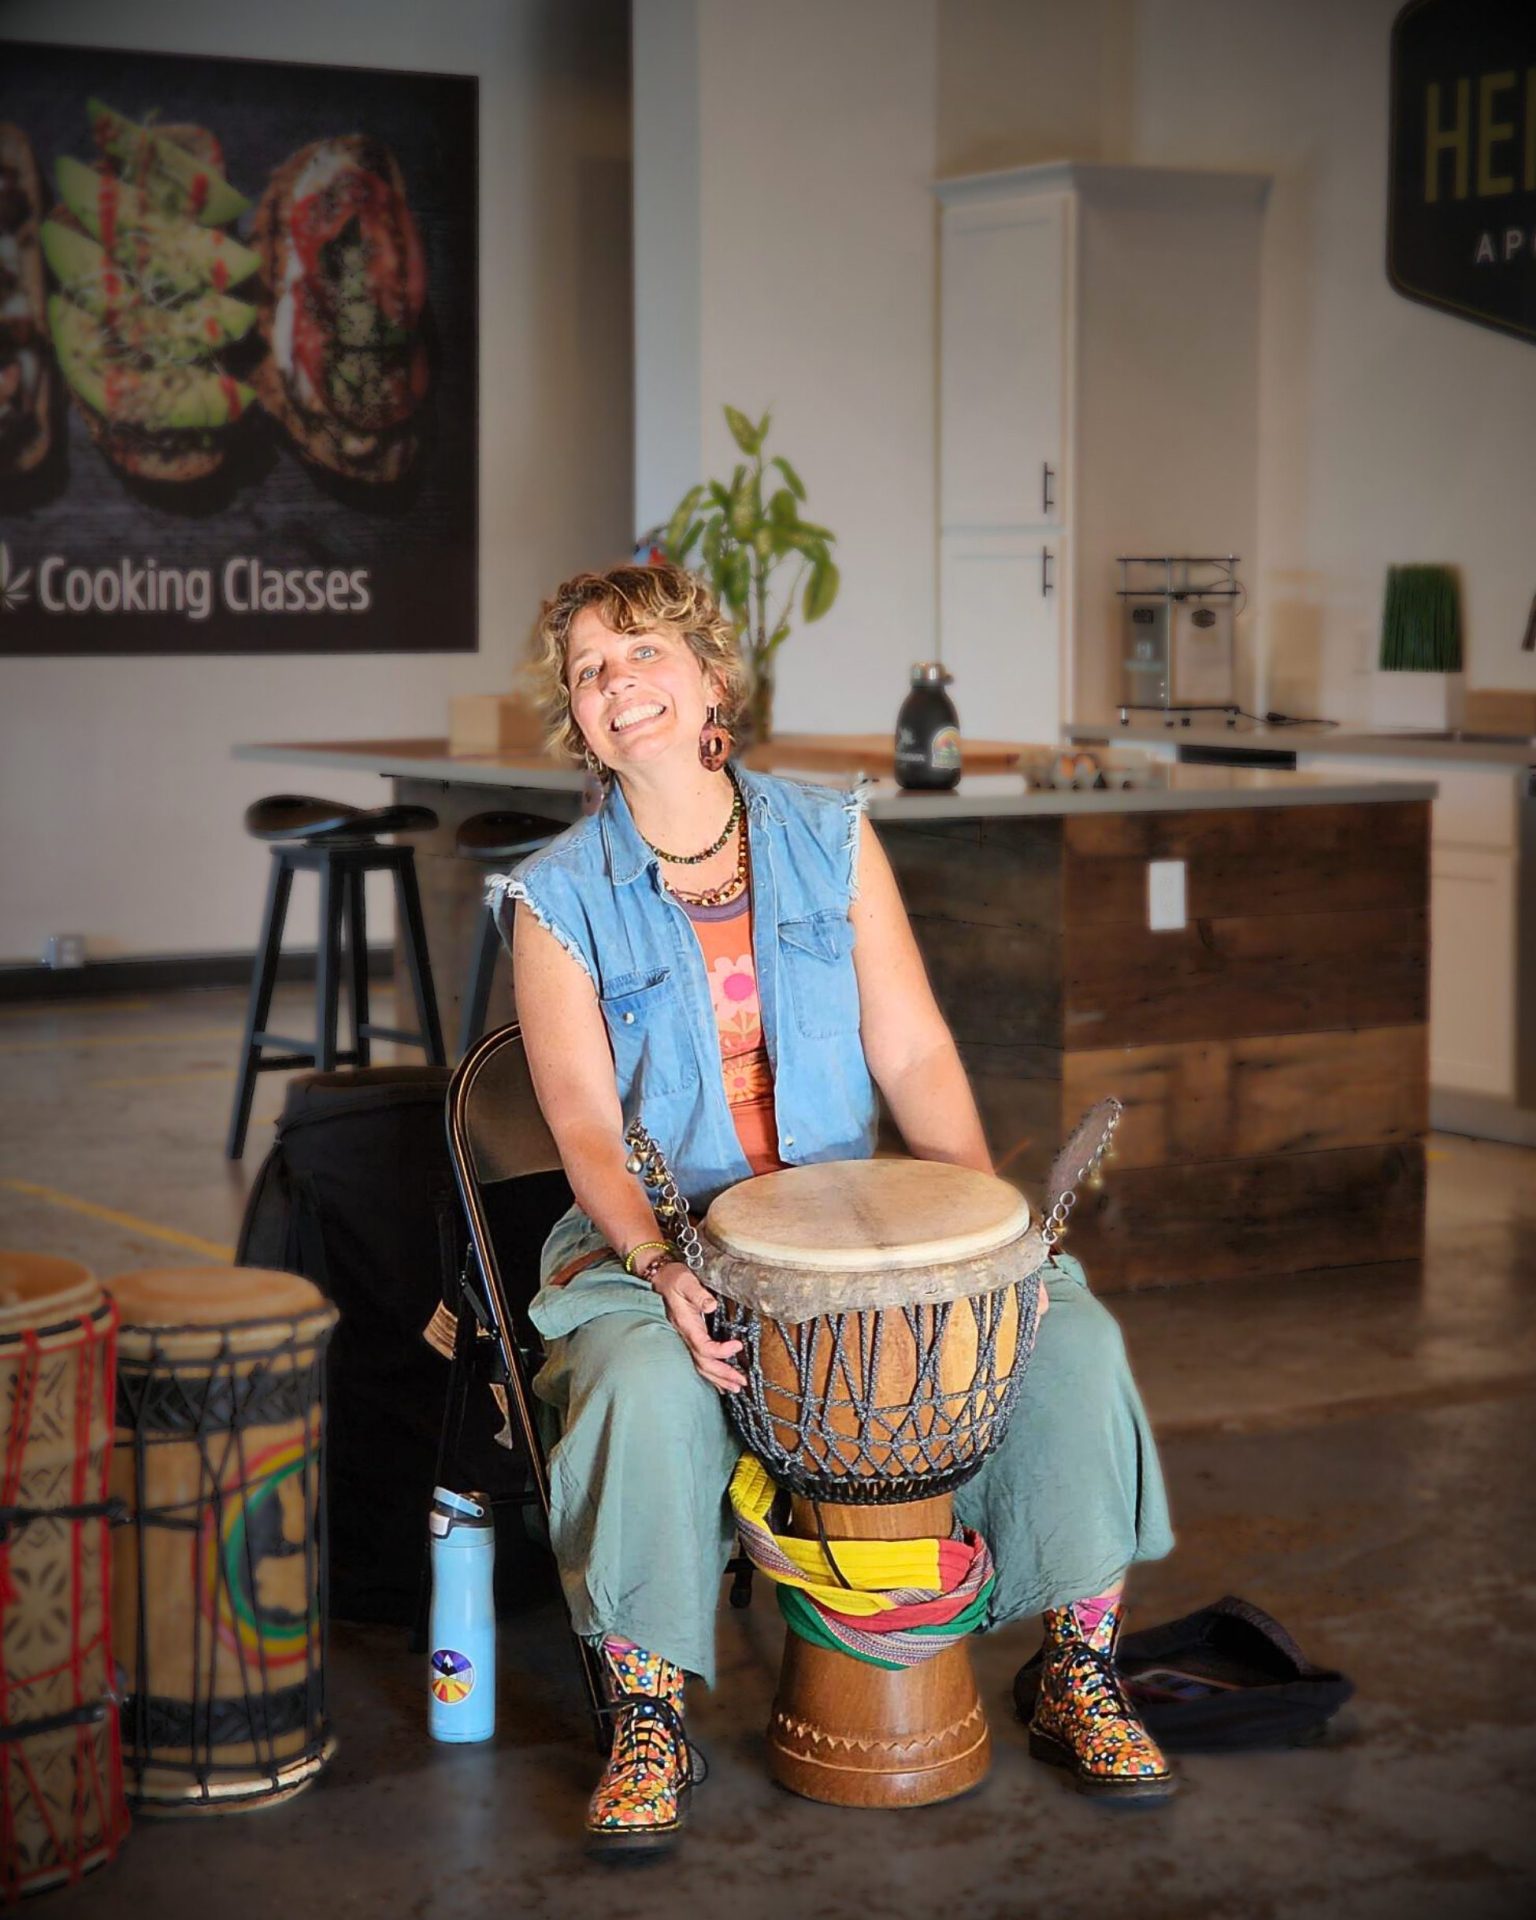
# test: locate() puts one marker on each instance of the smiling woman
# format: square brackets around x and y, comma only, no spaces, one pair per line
[727,953]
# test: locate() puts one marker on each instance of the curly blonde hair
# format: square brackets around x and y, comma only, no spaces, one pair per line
[657,598]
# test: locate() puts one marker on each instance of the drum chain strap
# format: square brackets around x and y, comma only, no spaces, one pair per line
[647,1160]
[1080,1160]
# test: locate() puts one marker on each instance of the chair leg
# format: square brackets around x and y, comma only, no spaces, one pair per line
[418,964]
[328,968]
[263,978]
[357,953]
[482,975]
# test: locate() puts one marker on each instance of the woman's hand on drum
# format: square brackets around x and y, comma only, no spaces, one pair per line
[687,1302]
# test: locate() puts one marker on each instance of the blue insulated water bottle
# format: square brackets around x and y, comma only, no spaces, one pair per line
[462,1664]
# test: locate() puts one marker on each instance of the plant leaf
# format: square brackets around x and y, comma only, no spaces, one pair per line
[781,508]
[820,589]
[746,506]
[677,526]
[791,479]
[746,436]
[738,581]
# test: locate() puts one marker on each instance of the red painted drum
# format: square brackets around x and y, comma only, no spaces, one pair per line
[61,1781]
[219,1589]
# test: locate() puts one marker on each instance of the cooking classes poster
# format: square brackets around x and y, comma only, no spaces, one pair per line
[238,356]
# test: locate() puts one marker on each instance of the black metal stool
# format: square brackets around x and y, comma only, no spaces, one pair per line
[494,839]
[340,844]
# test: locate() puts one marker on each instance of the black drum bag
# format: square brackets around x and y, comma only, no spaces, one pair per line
[358,1195]
[1224,1678]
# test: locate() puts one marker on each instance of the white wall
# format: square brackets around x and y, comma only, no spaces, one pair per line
[1387,431]
[119,804]
[815,230]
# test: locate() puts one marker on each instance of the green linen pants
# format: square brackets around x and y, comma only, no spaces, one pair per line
[641,1524]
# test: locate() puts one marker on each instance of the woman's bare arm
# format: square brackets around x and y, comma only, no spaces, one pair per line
[908,1045]
[571,1065]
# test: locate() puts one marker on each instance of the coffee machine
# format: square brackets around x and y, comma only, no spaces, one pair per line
[1176,628]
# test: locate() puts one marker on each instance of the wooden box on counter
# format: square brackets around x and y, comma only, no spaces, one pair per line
[1272,1054]
[493,723]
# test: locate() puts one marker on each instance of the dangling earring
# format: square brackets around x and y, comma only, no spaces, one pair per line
[594,766]
[714,742]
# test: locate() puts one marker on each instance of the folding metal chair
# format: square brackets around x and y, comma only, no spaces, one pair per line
[513,1188]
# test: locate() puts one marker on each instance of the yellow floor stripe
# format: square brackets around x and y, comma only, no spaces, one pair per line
[66,1009]
[171,1235]
[189,1036]
[165,1079]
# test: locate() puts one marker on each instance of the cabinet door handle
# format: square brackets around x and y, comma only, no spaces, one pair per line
[1046,582]
[1047,489]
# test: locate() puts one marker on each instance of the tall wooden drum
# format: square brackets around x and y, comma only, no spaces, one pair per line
[219,1586]
[886,1309]
[61,1777]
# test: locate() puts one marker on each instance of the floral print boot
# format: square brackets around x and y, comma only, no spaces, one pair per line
[641,1801]
[1083,1720]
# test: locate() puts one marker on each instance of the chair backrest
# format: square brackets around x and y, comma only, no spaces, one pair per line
[494,1119]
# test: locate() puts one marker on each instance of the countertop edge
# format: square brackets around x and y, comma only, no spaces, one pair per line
[886,802]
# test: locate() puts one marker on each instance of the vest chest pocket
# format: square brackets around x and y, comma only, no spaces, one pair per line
[648,1034]
[816,955]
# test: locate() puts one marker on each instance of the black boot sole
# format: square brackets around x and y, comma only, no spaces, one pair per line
[1135,1790]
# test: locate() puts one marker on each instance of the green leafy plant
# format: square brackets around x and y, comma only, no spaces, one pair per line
[1421,620]
[747,537]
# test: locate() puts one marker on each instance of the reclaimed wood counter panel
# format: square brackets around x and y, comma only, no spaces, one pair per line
[1272,1054]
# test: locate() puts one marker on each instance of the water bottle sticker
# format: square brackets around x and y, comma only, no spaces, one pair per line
[945,751]
[453,1677]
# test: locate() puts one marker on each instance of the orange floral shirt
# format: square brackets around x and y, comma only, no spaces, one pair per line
[725,938]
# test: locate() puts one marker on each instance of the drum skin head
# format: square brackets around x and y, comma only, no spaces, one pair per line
[212,1296]
[867,1215]
[39,1288]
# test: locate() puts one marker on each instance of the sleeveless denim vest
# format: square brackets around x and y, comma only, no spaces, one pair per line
[597,889]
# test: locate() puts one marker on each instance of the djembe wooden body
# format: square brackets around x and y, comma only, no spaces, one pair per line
[886,1309]
[219,1582]
[61,1777]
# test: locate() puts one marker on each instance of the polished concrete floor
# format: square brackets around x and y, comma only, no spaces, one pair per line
[1353,1452]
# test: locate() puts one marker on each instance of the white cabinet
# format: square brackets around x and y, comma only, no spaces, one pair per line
[1002,382]
[1472,971]
[1098,397]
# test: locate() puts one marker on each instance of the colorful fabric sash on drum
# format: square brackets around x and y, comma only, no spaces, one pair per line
[898,1602]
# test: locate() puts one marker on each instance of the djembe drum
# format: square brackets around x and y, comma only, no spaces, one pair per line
[61,1777]
[219,1586]
[886,1309]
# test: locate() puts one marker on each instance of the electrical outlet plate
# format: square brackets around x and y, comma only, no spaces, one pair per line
[1167,895]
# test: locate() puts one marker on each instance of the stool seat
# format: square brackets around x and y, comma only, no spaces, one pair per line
[505,836]
[300,816]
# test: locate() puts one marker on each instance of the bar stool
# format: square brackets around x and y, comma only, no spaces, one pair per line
[340,844]
[494,839]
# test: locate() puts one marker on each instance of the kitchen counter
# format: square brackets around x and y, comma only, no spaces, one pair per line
[1160,788]
[1422,748]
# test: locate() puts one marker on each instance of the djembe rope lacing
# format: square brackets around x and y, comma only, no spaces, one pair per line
[826,1437]
[889,1603]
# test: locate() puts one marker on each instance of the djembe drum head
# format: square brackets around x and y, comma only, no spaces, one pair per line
[886,1309]
[218,1587]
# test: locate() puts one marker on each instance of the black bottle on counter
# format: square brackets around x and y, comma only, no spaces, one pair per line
[928,731]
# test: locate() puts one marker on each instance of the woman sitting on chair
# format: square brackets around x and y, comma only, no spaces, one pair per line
[727,953]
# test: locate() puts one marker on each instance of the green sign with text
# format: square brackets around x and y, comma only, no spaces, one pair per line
[1461,198]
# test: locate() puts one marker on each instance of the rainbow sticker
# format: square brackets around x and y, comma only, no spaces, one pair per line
[453,1677]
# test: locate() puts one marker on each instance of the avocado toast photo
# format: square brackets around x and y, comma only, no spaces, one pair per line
[26,428]
[144,307]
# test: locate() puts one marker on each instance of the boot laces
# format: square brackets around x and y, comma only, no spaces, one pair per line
[648,1731]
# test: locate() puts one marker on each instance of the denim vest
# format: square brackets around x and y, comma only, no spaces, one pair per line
[597,889]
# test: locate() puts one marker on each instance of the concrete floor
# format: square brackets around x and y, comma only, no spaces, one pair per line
[1352,1452]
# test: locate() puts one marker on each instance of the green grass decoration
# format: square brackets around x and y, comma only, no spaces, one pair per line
[1421,621]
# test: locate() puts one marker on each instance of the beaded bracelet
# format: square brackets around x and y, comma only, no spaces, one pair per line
[642,1246]
[654,1265]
